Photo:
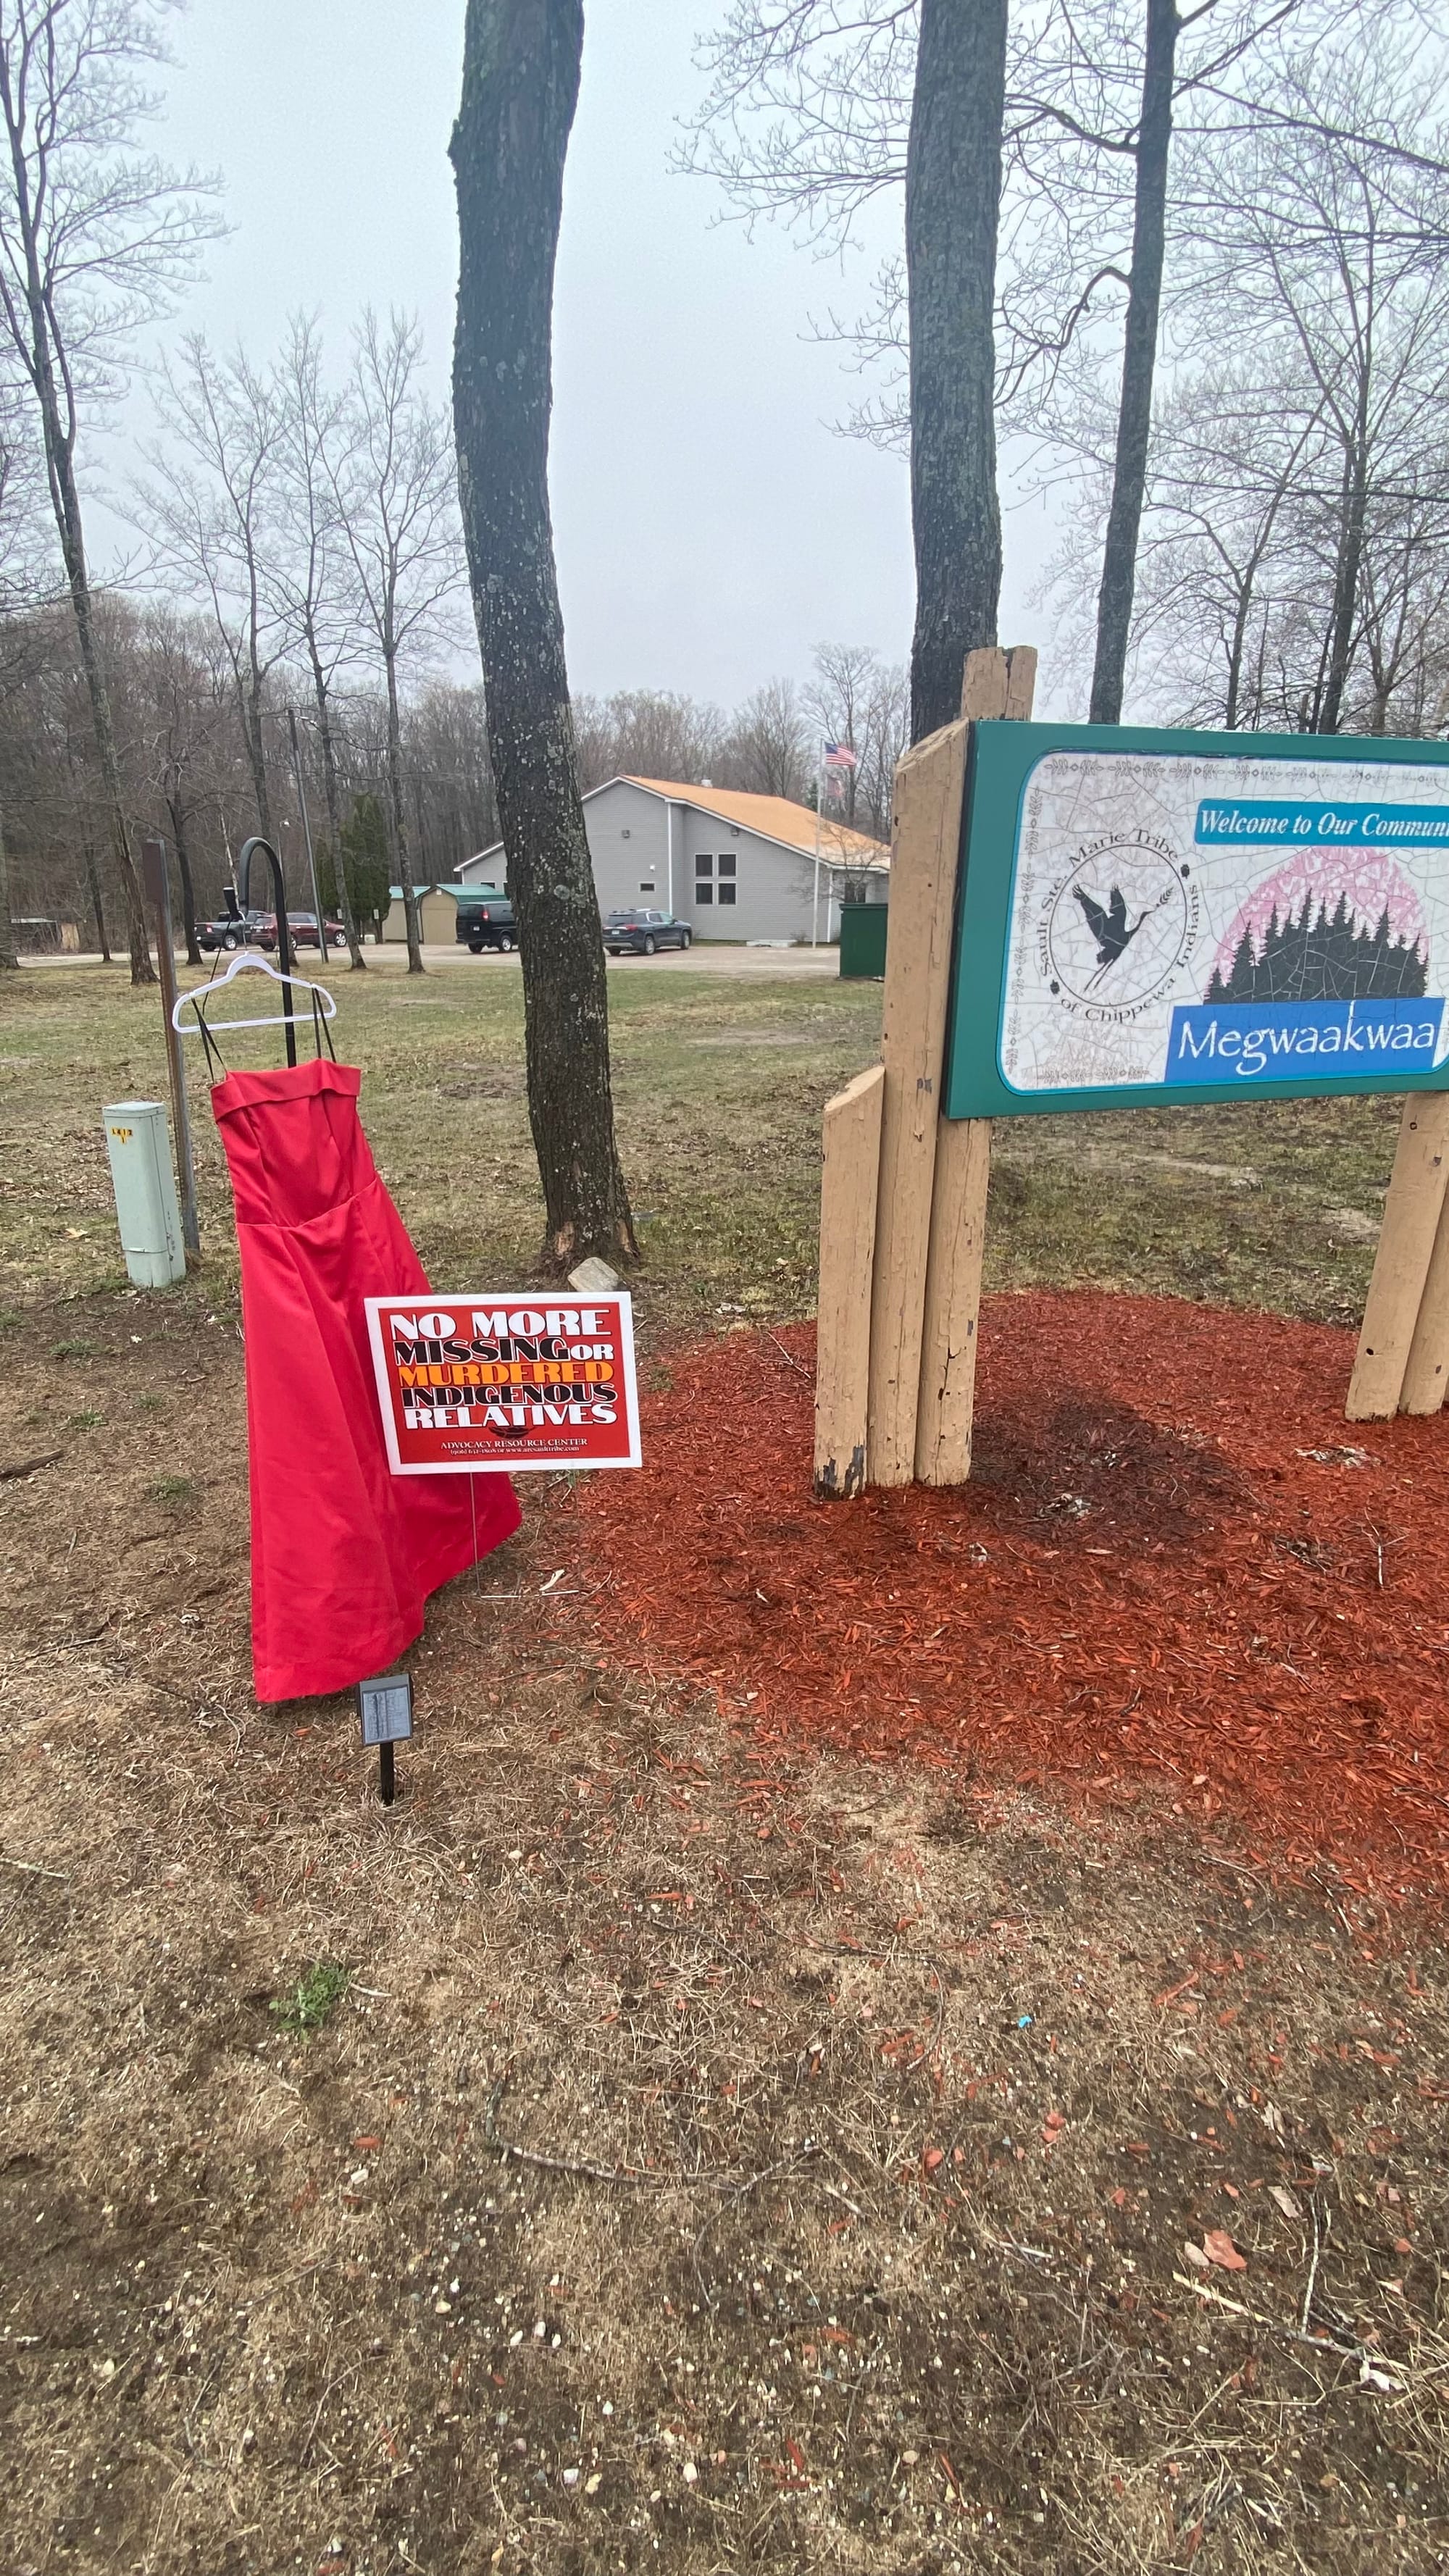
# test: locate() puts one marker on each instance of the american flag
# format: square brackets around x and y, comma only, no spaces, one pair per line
[838,755]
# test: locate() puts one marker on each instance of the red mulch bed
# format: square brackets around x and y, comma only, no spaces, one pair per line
[1175,1561]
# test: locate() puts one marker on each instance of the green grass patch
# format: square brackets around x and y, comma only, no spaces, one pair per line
[719,1084]
[310,2004]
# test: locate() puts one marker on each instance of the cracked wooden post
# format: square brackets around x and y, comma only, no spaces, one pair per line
[1405,1270]
[1001,685]
[849,1181]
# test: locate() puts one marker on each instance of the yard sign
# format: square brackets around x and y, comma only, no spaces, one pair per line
[1149,917]
[475,1383]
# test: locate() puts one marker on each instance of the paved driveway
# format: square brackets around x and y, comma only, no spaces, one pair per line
[706,958]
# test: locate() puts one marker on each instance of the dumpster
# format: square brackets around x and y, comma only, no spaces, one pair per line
[863,939]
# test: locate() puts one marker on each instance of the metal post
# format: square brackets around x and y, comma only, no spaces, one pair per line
[284,934]
[307,835]
[158,889]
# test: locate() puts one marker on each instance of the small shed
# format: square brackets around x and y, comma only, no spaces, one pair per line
[437,916]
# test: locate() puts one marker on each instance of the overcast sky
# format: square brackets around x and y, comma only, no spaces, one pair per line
[711,525]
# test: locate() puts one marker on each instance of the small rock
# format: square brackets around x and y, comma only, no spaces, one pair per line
[571,2477]
[442,2307]
[689,2473]
[592,2484]
[594,1278]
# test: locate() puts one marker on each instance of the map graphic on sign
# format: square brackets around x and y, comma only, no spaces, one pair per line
[1213,917]
[470,1384]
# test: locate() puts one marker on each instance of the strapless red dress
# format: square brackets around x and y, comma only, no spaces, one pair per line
[344,1555]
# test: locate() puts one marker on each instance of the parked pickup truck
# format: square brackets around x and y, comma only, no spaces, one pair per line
[239,930]
[485,919]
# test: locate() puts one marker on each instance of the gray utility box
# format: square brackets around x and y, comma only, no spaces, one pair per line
[139,1144]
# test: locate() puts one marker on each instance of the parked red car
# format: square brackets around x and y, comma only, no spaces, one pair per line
[303,927]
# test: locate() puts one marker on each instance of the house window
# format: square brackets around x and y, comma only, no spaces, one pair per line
[704,893]
[726,894]
[646,885]
[703,863]
[727,863]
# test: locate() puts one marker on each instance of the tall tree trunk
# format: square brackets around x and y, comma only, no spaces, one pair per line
[334,802]
[249,706]
[1236,650]
[93,883]
[1139,362]
[953,203]
[58,441]
[397,823]
[520,87]
[1345,580]
[176,808]
[8,959]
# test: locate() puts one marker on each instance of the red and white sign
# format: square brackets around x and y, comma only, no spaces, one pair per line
[469,1384]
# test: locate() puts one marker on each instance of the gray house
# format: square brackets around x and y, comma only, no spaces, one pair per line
[733,866]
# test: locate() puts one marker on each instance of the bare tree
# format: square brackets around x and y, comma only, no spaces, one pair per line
[23,579]
[769,742]
[395,483]
[1151,147]
[96,238]
[209,511]
[520,88]
[1341,244]
[839,702]
[647,733]
[181,721]
[313,573]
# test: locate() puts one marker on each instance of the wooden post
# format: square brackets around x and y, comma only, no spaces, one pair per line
[953,1302]
[1407,1243]
[996,684]
[925,858]
[1426,1375]
[848,1194]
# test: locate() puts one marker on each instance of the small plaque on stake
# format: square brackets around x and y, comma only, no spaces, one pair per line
[386,1708]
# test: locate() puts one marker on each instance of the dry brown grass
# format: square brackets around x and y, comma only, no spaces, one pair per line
[909,2102]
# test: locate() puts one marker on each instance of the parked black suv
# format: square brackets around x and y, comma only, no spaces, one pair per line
[485,920]
[639,934]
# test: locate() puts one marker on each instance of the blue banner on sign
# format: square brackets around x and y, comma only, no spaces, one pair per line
[1224,820]
[1221,1042]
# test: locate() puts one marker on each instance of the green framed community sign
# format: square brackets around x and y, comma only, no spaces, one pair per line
[1150,917]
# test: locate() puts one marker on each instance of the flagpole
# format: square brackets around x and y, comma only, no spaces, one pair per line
[815,898]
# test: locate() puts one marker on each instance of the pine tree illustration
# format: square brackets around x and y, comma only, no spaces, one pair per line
[1318,959]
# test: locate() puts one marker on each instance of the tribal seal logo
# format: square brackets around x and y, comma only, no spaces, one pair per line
[1119,927]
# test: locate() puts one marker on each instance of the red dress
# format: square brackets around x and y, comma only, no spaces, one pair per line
[344,1554]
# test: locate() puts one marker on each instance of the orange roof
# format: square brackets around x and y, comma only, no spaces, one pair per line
[776,818]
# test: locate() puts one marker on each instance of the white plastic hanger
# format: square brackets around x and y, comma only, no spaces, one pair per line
[247,961]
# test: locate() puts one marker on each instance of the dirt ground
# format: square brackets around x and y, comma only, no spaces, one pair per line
[914,2176]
